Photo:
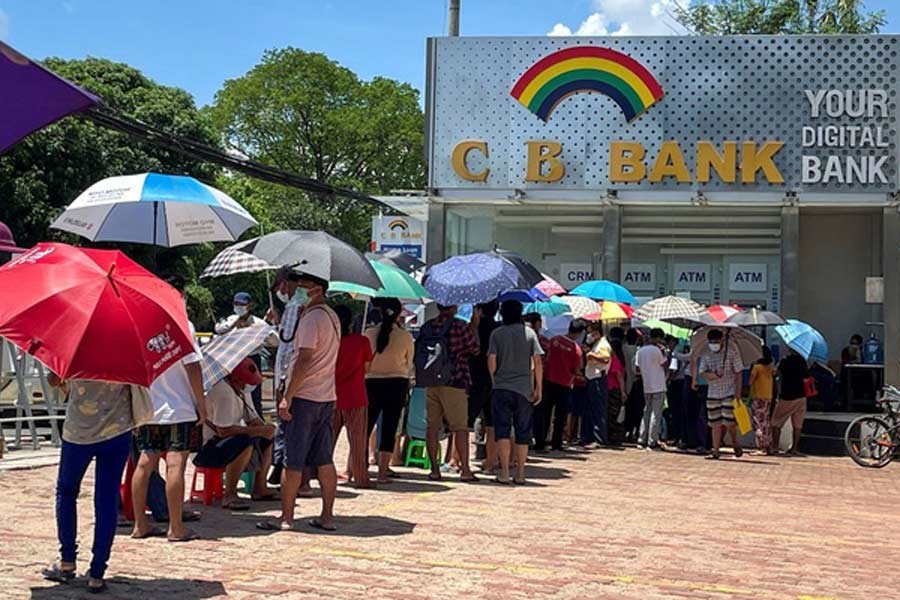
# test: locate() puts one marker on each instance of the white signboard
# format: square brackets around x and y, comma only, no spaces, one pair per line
[692,277]
[573,274]
[639,276]
[748,277]
[399,233]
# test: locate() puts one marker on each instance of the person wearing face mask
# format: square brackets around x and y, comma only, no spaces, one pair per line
[242,316]
[722,368]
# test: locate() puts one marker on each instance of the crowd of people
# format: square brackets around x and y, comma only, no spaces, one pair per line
[590,387]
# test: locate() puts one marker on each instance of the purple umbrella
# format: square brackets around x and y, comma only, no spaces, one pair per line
[470,279]
[33,97]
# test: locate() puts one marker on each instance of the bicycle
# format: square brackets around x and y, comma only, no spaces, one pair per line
[873,440]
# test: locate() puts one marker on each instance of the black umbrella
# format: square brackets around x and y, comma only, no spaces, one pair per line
[397,258]
[755,317]
[529,275]
[313,252]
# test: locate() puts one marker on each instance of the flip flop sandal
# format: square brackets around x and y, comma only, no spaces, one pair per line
[499,482]
[274,496]
[56,573]
[97,589]
[154,532]
[523,482]
[190,536]
[738,452]
[711,456]
[471,479]
[316,524]
[434,476]
[273,526]
[236,505]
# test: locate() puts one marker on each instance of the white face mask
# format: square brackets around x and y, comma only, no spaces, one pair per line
[282,296]
[715,347]
[240,310]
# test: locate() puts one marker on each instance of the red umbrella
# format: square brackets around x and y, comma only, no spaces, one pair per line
[92,314]
[721,313]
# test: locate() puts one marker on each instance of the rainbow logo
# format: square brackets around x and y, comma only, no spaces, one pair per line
[555,77]
[398,224]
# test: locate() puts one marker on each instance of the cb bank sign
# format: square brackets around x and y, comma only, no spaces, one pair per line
[818,132]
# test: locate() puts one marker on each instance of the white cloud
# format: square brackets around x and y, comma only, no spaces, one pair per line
[626,17]
[4,25]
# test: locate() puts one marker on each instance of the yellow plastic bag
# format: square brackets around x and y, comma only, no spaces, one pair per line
[742,416]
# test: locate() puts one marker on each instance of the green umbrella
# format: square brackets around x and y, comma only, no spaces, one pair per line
[394,284]
[677,332]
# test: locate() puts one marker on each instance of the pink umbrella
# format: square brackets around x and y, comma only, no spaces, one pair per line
[720,313]
[550,287]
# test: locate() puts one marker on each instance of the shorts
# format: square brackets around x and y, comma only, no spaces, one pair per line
[480,404]
[309,435]
[512,410]
[156,439]
[795,410]
[218,453]
[448,404]
[720,411]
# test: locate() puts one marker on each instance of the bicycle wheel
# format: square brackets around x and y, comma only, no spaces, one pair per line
[870,442]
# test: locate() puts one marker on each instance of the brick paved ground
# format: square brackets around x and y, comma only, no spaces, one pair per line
[611,525]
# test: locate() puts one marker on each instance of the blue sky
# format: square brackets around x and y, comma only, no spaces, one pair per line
[198,44]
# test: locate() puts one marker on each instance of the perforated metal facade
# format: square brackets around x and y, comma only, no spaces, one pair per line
[716,89]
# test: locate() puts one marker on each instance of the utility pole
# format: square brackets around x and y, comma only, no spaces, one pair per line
[453,27]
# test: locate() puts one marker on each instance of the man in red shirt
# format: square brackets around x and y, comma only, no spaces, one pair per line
[564,361]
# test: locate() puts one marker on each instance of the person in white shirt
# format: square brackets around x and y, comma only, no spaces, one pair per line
[177,397]
[242,316]
[651,361]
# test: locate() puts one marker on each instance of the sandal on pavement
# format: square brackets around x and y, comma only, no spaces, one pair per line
[270,497]
[274,526]
[56,573]
[236,504]
[712,456]
[470,479]
[517,482]
[96,589]
[434,476]
[317,524]
[153,532]
[190,536]
[738,452]
[501,482]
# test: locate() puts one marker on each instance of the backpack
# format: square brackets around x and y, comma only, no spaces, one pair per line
[434,365]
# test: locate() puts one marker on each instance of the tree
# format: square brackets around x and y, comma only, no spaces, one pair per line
[736,17]
[305,113]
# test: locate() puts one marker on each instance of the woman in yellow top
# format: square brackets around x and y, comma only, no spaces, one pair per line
[762,383]
[387,382]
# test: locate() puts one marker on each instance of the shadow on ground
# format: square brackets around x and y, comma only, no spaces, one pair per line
[361,526]
[131,588]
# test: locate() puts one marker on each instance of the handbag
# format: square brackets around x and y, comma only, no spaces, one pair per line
[809,387]
[742,416]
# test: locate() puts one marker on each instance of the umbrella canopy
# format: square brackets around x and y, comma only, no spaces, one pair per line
[612,311]
[739,340]
[313,252]
[33,97]
[670,308]
[151,208]
[550,308]
[682,333]
[719,313]
[804,340]
[550,287]
[581,307]
[92,314]
[395,283]
[756,317]
[397,258]
[470,279]
[604,290]
[523,296]
[225,352]
[232,260]
[529,275]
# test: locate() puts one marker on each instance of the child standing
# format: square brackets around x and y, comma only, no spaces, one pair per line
[762,382]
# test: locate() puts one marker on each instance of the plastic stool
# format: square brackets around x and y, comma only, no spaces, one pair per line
[417,454]
[212,485]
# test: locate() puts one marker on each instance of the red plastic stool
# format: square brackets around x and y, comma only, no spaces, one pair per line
[212,485]
[125,492]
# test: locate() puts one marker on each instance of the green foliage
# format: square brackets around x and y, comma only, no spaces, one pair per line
[303,112]
[738,17]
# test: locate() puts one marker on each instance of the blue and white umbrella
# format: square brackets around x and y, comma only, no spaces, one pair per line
[151,208]
[805,340]
[470,279]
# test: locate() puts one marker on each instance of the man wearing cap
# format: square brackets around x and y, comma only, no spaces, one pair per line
[235,437]
[243,317]
[306,405]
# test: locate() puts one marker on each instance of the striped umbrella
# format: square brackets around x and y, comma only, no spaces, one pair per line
[720,313]
[612,311]
[226,352]
[671,308]
[233,260]
[581,307]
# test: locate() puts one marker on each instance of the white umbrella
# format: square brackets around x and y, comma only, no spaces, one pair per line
[737,339]
[151,208]
[580,306]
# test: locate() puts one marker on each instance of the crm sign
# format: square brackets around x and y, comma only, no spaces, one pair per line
[748,277]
